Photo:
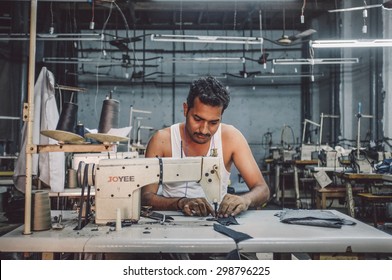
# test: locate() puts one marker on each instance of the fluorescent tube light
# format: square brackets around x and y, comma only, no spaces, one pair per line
[69,60]
[351,43]
[53,37]
[313,61]
[208,59]
[181,75]
[272,75]
[207,39]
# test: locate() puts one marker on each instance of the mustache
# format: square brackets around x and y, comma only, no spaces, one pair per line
[202,134]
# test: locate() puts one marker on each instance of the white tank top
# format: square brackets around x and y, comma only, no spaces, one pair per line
[193,189]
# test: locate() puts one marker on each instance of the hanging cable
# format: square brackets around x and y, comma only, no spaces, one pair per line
[364,16]
[103,53]
[302,12]
[92,23]
[235,15]
[51,28]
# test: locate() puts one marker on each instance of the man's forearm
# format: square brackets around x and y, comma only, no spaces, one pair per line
[258,195]
[159,202]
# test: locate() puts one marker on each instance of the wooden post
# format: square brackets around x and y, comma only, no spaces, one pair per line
[30,116]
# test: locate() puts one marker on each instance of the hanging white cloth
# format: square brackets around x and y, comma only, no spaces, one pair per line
[50,167]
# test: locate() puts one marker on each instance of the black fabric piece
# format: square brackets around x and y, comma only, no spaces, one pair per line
[320,218]
[233,255]
[231,220]
[156,216]
[82,223]
[124,223]
[235,235]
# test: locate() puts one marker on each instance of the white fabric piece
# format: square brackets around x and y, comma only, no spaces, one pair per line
[193,189]
[49,166]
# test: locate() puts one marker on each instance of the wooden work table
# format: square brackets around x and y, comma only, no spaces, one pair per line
[357,178]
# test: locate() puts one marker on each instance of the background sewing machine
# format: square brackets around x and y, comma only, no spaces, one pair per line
[118,182]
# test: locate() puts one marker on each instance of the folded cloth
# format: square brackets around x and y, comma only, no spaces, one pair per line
[320,218]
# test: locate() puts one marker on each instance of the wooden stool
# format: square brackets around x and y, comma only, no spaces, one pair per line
[327,193]
[373,200]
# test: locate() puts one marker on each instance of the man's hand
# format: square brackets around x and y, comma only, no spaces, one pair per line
[195,207]
[232,205]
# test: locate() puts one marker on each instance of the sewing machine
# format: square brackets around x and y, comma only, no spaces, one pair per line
[118,182]
[96,157]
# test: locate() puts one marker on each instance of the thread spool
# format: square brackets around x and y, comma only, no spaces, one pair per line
[72,179]
[118,219]
[41,219]
[80,129]
[67,120]
[109,115]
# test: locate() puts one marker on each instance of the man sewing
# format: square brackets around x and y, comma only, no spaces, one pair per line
[200,134]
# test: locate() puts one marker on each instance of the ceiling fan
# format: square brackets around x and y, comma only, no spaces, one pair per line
[244,73]
[263,59]
[142,75]
[386,5]
[122,43]
[285,40]
[126,62]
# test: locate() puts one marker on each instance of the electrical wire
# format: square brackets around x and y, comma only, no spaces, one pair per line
[282,136]
[92,15]
[302,12]
[100,57]
[266,140]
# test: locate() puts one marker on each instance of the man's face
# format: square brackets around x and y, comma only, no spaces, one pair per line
[202,121]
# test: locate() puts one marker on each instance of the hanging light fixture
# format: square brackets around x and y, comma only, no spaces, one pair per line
[350,43]
[386,5]
[313,61]
[206,59]
[272,75]
[53,37]
[207,39]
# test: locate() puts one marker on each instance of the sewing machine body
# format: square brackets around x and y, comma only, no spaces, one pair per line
[118,182]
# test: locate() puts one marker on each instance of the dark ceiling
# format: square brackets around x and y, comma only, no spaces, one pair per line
[175,14]
[205,15]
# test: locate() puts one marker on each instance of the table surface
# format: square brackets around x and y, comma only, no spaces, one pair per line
[375,197]
[314,168]
[196,235]
[363,176]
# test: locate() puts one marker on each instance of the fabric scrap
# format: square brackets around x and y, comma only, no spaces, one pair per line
[235,235]
[231,220]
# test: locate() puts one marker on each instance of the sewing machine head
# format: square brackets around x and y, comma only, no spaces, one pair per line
[118,182]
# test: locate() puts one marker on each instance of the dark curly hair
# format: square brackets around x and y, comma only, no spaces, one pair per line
[210,92]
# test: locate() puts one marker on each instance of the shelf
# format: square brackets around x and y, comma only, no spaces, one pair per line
[70,148]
